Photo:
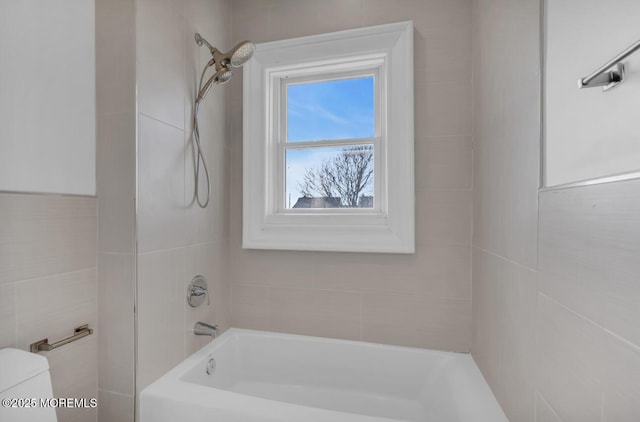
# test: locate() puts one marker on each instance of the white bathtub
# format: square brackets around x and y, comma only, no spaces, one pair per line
[262,377]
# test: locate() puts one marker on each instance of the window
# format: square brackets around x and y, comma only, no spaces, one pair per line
[328,142]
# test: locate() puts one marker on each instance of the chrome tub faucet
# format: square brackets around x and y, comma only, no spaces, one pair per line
[204,329]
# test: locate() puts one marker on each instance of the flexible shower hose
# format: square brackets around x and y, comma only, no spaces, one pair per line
[198,155]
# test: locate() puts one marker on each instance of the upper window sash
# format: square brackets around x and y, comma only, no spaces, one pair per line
[368,72]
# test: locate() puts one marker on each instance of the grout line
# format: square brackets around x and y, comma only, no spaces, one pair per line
[504,258]
[28,280]
[115,253]
[428,295]
[172,249]
[628,343]
[161,121]
[539,394]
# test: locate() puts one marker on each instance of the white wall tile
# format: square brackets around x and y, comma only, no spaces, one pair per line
[116,166]
[544,412]
[589,253]
[74,373]
[444,163]
[506,150]
[161,206]
[410,320]
[49,286]
[250,306]
[250,21]
[52,307]
[444,217]
[620,406]
[507,129]
[485,317]
[116,292]
[160,61]
[570,353]
[517,347]
[322,313]
[290,18]
[161,296]
[442,109]
[7,315]
[435,269]
[115,407]
[44,235]
[115,57]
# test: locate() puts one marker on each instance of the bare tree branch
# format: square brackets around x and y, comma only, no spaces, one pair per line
[345,176]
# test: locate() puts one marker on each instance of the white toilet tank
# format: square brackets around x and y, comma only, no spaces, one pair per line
[25,376]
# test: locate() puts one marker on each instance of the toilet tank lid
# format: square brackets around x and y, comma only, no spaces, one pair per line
[17,366]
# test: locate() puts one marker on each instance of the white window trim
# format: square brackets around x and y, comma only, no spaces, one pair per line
[389,227]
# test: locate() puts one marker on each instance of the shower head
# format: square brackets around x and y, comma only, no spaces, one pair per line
[222,76]
[236,57]
[241,53]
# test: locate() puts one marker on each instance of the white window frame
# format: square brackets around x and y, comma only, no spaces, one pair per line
[384,51]
[357,67]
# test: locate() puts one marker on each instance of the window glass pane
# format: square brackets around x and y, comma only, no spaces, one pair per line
[329,177]
[340,109]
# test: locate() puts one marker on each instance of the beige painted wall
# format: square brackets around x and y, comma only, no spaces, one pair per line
[589,133]
[47,117]
[416,300]
[555,292]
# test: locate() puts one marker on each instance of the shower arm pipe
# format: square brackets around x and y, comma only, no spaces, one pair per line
[200,40]
[218,57]
[612,78]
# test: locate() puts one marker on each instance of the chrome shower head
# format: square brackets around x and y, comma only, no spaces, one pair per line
[222,76]
[241,53]
[222,62]
[236,57]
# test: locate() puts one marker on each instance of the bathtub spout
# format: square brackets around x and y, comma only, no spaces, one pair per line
[203,329]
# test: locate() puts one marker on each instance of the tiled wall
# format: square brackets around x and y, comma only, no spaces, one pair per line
[116,130]
[148,46]
[48,287]
[555,291]
[416,300]
[588,336]
[506,177]
[176,239]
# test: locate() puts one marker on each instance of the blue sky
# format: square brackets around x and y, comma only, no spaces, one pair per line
[325,110]
[331,110]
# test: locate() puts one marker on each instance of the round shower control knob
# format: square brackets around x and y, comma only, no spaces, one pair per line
[197,291]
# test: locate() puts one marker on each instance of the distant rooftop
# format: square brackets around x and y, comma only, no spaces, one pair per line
[317,202]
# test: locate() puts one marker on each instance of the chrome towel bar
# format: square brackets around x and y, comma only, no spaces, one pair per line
[43,345]
[610,74]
